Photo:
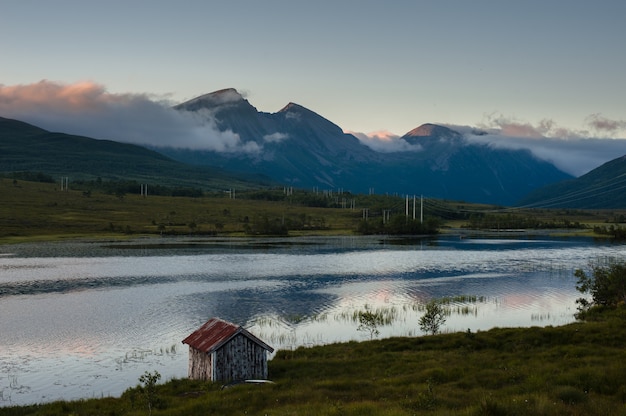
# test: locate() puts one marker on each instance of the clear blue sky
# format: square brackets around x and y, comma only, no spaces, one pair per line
[555,67]
[366,65]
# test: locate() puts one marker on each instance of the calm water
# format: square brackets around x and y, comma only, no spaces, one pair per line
[86,319]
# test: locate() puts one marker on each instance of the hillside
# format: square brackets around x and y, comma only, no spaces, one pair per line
[28,148]
[602,188]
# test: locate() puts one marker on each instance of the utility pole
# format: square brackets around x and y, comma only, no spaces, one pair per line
[406,209]
[386,215]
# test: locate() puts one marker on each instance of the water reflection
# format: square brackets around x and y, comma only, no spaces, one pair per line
[85,319]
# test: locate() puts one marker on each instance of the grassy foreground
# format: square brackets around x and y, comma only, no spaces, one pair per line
[578,369]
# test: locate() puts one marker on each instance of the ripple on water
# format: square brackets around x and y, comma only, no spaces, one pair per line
[90,326]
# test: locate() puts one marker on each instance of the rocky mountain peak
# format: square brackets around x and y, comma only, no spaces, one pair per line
[227,96]
[295,108]
[431,130]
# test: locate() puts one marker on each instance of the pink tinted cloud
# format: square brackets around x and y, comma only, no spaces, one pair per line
[75,97]
[573,151]
[88,109]
[602,124]
[385,142]
[520,130]
[508,126]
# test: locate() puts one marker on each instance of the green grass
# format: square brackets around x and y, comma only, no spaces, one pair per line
[40,211]
[34,211]
[578,369]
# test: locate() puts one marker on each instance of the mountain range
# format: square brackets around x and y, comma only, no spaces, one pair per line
[297,147]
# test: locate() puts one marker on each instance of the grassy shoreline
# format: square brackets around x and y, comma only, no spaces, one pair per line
[576,369]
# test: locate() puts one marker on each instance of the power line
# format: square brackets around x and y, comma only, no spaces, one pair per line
[579,195]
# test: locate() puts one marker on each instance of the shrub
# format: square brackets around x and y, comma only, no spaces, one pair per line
[369,322]
[433,318]
[149,381]
[606,285]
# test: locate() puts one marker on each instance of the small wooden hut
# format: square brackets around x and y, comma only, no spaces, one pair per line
[222,351]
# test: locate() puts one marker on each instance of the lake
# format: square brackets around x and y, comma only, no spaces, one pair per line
[85,319]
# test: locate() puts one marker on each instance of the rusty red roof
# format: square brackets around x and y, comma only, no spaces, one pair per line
[216,332]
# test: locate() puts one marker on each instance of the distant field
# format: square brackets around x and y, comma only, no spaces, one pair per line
[31,210]
[41,211]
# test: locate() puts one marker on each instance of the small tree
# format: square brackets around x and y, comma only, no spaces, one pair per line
[606,285]
[149,381]
[369,322]
[433,318]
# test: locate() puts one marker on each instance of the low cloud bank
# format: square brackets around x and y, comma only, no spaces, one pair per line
[573,151]
[87,109]
[385,142]
[575,156]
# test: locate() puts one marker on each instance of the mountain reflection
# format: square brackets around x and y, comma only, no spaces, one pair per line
[105,313]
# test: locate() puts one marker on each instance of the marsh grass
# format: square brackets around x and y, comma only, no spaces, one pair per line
[290,331]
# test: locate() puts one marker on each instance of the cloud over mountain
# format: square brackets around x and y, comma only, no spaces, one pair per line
[385,142]
[575,152]
[87,109]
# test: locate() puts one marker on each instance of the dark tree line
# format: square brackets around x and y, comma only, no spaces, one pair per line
[399,225]
[29,176]
[618,233]
[121,188]
[511,221]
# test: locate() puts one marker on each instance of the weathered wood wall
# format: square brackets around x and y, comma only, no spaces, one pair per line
[238,359]
[200,366]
